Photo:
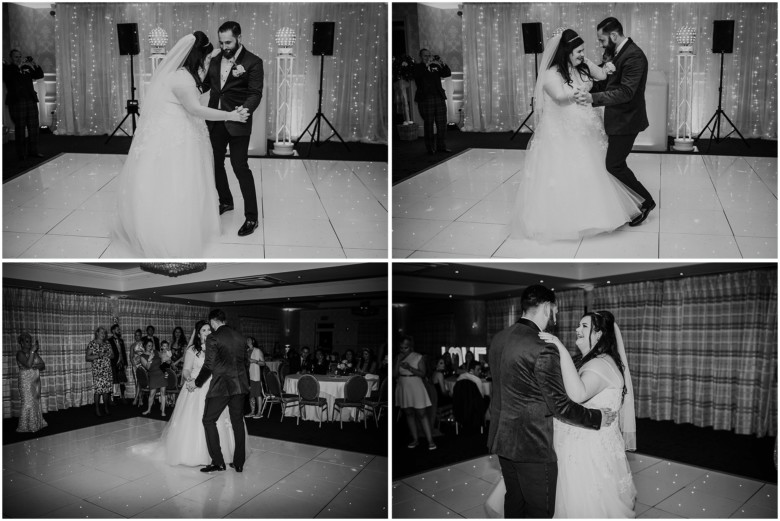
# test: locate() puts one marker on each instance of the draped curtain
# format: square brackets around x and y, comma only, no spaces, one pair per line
[93,80]
[431,333]
[138,314]
[264,330]
[702,350]
[499,78]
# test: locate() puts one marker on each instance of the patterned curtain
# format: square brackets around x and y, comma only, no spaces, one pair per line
[265,331]
[702,350]
[138,314]
[432,332]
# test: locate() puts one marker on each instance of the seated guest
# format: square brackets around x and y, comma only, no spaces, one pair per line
[438,381]
[306,361]
[474,374]
[366,364]
[449,370]
[291,360]
[349,360]
[320,365]
[469,357]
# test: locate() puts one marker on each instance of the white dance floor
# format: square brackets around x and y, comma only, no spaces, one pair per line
[308,209]
[664,490]
[708,207]
[90,472]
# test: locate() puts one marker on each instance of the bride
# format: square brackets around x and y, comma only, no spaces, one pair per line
[167,201]
[594,478]
[565,191]
[183,441]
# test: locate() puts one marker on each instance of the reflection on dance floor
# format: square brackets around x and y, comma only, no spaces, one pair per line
[665,489]
[309,209]
[708,207]
[91,473]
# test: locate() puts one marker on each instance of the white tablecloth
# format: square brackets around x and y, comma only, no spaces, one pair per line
[331,387]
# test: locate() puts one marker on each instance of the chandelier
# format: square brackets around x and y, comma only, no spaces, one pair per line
[173,269]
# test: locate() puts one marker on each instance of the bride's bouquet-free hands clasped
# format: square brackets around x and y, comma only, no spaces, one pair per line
[242,113]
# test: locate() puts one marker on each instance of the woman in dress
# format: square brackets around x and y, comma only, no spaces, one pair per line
[100,354]
[256,363]
[30,364]
[594,478]
[178,346]
[171,152]
[565,191]
[366,363]
[152,361]
[410,393]
[321,364]
[183,441]
[349,361]
[437,378]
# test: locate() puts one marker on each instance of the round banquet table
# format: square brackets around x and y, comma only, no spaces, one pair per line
[331,387]
[449,385]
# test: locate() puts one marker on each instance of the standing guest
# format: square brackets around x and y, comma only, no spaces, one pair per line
[306,360]
[150,336]
[151,361]
[119,361]
[138,342]
[22,101]
[178,346]
[320,365]
[291,360]
[256,362]
[30,364]
[366,364]
[410,393]
[100,354]
[430,98]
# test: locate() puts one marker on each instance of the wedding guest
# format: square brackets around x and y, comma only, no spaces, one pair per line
[30,364]
[178,346]
[291,360]
[449,370]
[165,355]
[474,374]
[366,363]
[321,363]
[349,361]
[150,336]
[151,361]
[468,358]
[410,392]
[119,362]
[256,363]
[437,378]
[135,360]
[100,354]
[306,360]
[430,98]
[22,101]
[138,342]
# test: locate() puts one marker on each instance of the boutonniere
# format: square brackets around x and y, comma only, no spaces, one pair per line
[238,71]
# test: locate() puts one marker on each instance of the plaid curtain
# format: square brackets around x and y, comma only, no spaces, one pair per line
[702,350]
[431,332]
[265,331]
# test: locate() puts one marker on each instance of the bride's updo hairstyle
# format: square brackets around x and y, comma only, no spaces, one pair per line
[195,59]
[570,40]
[604,322]
[197,346]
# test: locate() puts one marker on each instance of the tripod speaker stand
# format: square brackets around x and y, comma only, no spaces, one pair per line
[128,45]
[532,44]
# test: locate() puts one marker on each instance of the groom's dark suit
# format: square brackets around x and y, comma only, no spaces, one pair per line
[528,392]
[625,115]
[226,363]
[240,89]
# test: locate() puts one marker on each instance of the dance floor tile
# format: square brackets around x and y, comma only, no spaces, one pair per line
[82,510]
[15,483]
[528,249]
[675,473]
[281,462]
[753,224]
[15,243]
[746,512]
[430,482]
[401,492]
[464,495]
[340,474]
[478,512]
[690,503]
[370,480]
[353,499]
[619,244]
[687,246]
[411,234]
[37,501]
[480,467]
[304,252]
[654,513]
[356,253]
[361,233]
[640,508]
[401,254]
[234,251]
[437,208]
[765,498]
[422,507]
[342,457]
[274,505]
[421,254]
[639,462]
[378,464]
[469,238]
[85,223]
[652,490]
[284,232]
[33,220]
[757,247]
[695,222]
[88,483]
[727,486]
[495,212]
[317,491]
[64,246]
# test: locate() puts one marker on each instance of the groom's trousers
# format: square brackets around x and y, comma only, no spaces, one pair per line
[617,152]
[214,407]
[239,153]
[530,488]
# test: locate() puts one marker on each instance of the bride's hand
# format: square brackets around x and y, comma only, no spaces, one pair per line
[552,339]
[240,115]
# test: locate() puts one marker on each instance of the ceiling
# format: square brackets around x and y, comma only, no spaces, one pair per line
[281,284]
[493,280]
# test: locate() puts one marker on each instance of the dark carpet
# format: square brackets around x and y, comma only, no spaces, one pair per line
[50,146]
[705,447]
[352,438]
[410,157]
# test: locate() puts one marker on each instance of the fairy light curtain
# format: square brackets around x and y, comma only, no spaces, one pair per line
[93,80]
[499,79]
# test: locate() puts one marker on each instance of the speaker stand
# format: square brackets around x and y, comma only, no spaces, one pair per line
[131,107]
[715,119]
[525,121]
[317,120]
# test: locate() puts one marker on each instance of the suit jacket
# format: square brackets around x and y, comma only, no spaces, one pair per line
[226,362]
[245,90]
[528,392]
[429,81]
[623,93]
[19,82]
[120,353]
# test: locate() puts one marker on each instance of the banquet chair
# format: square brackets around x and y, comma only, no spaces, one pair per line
[468,406]
[171,391]
[354,392]
[277,395]
[377,405]
[141,383]
[309,394]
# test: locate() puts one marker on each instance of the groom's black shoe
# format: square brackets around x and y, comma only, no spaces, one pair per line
[639,219]
[248,228]
[239,468]
[212,468]
[225,208]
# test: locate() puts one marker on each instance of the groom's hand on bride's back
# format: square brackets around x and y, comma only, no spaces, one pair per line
[607,417]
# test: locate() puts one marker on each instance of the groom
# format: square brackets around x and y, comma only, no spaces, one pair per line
[530,392]
[623,95]
[235,80]
[227,365]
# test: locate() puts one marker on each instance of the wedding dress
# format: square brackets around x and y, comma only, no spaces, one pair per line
[167,204]
[565,191]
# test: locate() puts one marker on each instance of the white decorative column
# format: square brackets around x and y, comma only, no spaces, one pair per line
[283,145]
[683,140]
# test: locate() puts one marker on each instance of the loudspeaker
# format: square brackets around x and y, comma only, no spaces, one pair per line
[323,38]
[723,36]
[128,39]
[532,38]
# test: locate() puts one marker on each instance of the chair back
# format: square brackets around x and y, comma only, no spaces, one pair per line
[264,371]
[141,377]
[468,407]
[274,386]
[284,370]
[383,391]
[356,388]
[171,380]
[308,387]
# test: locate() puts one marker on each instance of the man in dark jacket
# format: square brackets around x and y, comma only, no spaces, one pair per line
[22,101]
[430,98]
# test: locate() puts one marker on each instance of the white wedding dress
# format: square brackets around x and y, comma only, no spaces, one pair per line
[183,441]
[594,478]
[565,191]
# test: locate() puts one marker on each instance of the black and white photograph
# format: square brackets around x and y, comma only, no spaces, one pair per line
[584,130]
[584,390]
[195,130]
[195,390]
